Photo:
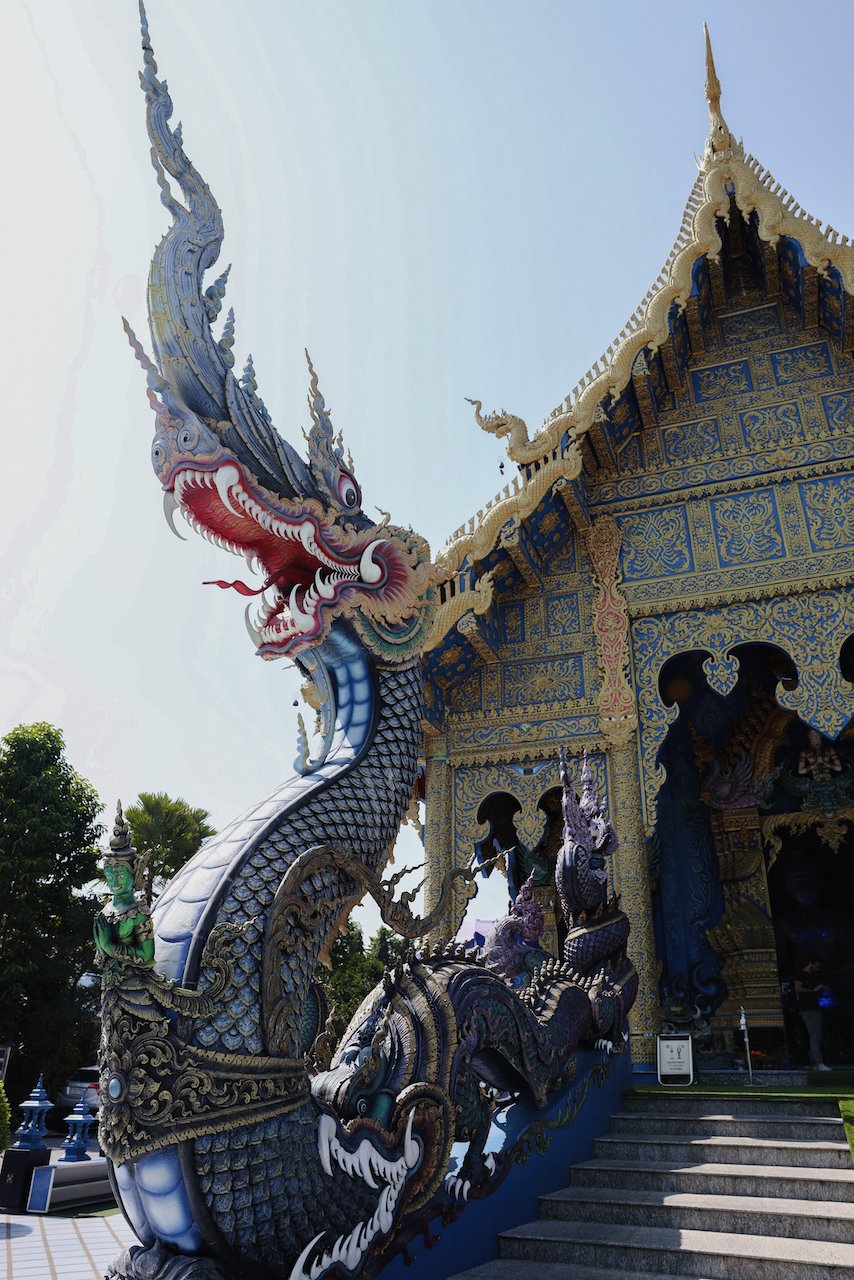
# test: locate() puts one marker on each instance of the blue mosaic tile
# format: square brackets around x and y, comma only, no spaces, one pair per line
[655,544]
[747,527]
[719,380]
[796,364]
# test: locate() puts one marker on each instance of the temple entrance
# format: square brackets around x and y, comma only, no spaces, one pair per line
[521,861]
[753,864]
[811,888]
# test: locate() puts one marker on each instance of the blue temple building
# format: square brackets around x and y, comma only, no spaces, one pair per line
[666,585]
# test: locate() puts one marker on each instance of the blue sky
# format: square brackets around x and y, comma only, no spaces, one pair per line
[439,199]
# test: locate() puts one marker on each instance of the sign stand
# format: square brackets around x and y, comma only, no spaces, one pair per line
[675,1059]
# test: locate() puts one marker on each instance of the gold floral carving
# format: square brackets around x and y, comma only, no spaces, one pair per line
[617,709]
[830,825]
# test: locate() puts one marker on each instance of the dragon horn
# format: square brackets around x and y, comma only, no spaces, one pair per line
[185,348]
[575,827]
[325,452]
[196,365]
[590,802]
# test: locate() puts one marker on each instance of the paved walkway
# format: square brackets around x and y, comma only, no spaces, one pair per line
[49,1248]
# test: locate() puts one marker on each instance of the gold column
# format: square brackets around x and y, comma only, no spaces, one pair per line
[618,723]
[631,880]
[438,829]
[744,936]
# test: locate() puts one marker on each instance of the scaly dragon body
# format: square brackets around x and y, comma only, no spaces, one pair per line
[227,1159]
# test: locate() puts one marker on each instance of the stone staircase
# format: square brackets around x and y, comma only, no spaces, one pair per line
[736,1187]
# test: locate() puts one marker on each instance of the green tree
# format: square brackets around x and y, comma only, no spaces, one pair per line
[354,973]
[48,831]
[388,947]
[5,1120]
[356,970]
[167,833]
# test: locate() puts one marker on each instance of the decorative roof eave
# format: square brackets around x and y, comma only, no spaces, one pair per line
[725,173]
[479,539]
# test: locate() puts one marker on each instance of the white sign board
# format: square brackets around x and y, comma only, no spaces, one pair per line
[675,1059]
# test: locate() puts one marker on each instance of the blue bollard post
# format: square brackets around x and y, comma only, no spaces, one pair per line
[76,1142]
[29,1136]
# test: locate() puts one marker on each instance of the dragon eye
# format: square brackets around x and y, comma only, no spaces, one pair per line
[186,438]
[158,453]
[348,490]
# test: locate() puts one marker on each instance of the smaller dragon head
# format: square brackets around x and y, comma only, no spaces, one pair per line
[603,837]
[511,946]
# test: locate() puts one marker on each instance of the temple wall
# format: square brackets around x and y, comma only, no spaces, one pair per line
[718,514]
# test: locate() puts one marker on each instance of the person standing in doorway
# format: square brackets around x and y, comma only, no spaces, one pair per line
[808,989]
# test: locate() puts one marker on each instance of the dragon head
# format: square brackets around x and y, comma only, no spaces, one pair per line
[297,521]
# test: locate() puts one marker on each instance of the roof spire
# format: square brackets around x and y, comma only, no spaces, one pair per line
[713,84]
[720,139]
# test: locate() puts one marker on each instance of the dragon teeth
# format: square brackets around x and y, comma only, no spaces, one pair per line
[324,587]
[226,479]
[368,570]
[227,482]
[365,1161]
[303,621]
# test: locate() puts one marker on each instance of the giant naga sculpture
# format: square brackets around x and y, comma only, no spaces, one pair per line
[229,1158]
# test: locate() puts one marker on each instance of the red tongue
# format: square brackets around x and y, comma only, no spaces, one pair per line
[235,586]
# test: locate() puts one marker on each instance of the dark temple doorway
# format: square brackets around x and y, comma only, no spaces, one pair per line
[752,862]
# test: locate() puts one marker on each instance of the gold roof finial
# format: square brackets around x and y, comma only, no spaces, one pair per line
[713,84]
[720,138]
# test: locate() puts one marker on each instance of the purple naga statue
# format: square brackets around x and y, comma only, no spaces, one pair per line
[511,946]
[598,930]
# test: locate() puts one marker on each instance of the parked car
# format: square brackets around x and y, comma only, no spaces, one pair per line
[83,1084]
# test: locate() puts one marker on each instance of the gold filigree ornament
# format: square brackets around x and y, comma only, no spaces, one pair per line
[830,825]
[811,627]
[617,708]
[157,1087]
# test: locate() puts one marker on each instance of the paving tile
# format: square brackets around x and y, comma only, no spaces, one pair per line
[48,1248]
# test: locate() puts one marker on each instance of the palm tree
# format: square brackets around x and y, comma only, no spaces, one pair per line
[167,832]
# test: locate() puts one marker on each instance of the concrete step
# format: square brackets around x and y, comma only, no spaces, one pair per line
[715,1254]
[673,1121]
[511,1269]
[815,1155]
[743,1103]
[742,1215]
[768,1181]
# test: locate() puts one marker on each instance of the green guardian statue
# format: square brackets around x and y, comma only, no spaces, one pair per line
[123,930]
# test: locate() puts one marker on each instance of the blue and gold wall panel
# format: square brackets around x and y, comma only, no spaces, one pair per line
[702,290]
[831,304]
[750,325]
[692,441]
[539,687]
[753,478]
[792,262]
[719,381]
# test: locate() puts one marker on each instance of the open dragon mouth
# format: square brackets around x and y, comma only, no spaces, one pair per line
[369,1165]
[311,568]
